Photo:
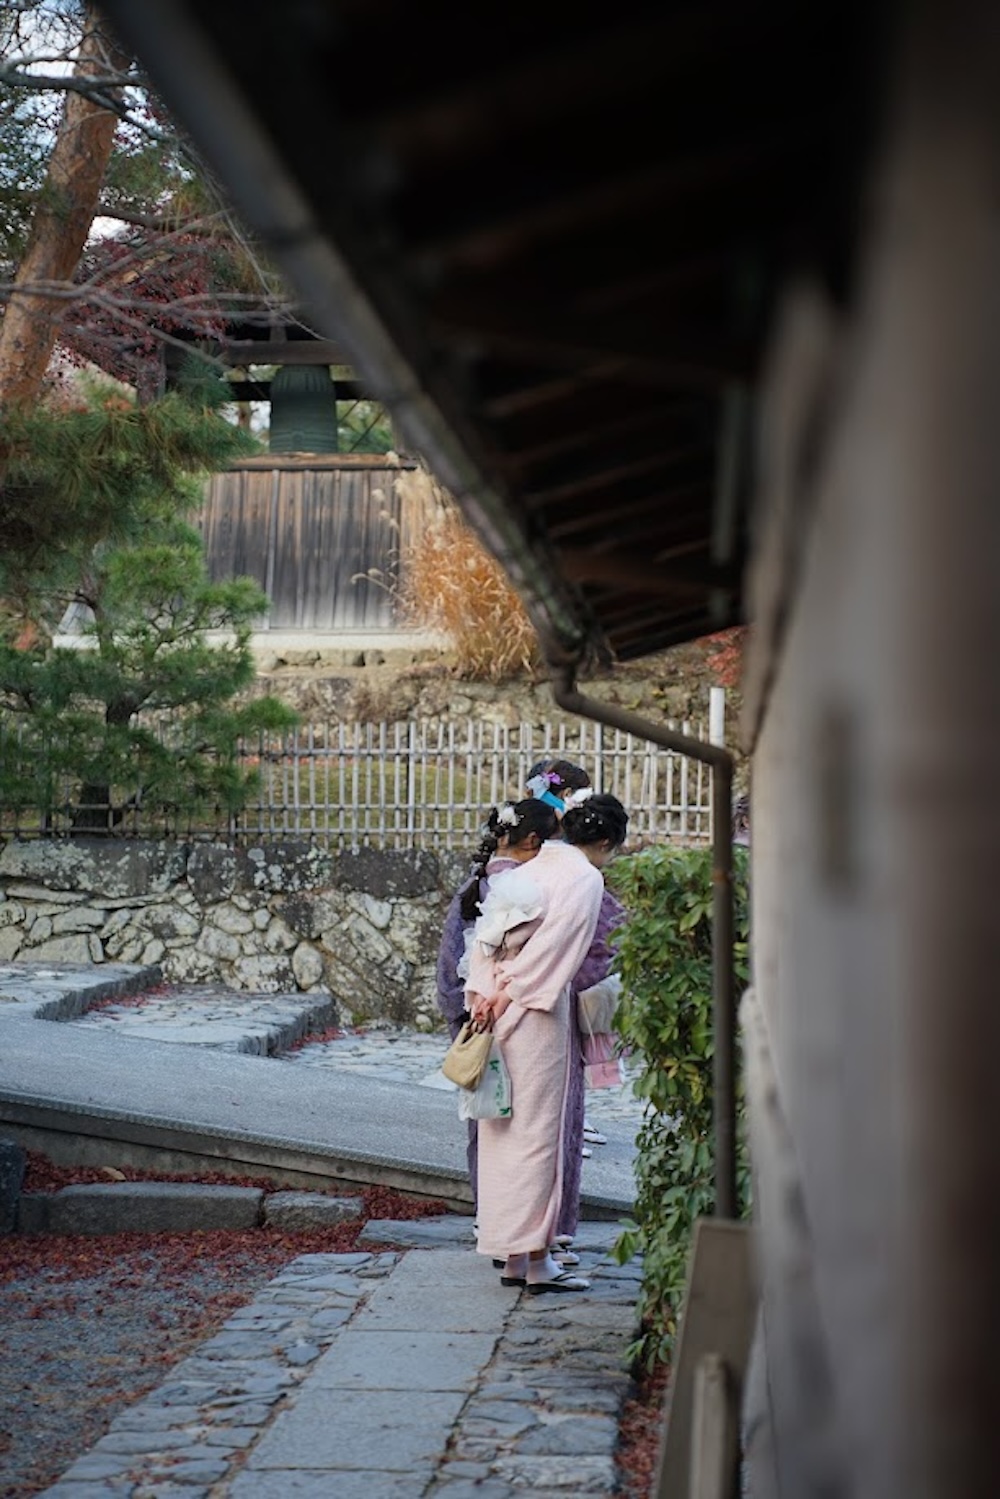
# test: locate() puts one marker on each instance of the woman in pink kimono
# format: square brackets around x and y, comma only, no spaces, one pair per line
[520,976]
[515,831]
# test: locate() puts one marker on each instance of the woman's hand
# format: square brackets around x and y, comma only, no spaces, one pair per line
[488,1009]
[498,1004]
[478,1006]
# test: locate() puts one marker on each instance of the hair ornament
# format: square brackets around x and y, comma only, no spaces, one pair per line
[577,798]
[538,785]
[506,816]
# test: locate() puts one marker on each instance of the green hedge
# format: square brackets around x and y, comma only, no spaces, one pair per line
[665,1017]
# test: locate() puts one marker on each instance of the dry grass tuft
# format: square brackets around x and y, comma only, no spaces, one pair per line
[451,584]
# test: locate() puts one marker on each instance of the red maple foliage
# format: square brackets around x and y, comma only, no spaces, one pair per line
[724,655]
[138,288]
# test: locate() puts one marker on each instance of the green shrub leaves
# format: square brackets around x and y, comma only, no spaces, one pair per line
[665,960]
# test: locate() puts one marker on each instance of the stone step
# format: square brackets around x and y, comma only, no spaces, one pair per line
[55,992]
[176,1207]
[139,1207]
[207,1015]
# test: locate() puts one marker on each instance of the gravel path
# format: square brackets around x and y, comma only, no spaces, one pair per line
[89,1329]
[91,1324]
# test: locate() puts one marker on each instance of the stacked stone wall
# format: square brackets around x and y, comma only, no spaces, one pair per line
[268,918]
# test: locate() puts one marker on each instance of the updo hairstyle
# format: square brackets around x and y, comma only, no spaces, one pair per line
[600,819]
[569,777]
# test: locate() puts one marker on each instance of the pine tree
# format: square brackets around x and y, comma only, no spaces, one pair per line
[96,505]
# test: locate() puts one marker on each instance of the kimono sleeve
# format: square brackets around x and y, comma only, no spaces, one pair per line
[601,954]
[483,977]
[451,988]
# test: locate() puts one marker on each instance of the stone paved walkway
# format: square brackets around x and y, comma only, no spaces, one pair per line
[412,1056]
[404,1370]
[395,1374]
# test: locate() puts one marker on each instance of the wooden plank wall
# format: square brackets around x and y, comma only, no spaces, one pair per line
[874,1035]
[309,535]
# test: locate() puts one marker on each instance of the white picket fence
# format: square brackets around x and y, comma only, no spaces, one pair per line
[430,784]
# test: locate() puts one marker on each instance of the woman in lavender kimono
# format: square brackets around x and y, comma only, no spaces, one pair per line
[562,784]
[515,831]
[594,969]
[524,987]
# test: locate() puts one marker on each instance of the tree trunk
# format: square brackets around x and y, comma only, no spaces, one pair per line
[61,222]
[95,813]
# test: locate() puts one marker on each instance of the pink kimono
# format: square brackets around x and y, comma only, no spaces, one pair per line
[521,1158]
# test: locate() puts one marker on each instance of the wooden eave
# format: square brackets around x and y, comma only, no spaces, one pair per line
[551,242]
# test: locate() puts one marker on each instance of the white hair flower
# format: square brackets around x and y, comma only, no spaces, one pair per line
[506,816]
[577,798]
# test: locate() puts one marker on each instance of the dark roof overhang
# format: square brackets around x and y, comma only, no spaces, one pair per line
[551,242]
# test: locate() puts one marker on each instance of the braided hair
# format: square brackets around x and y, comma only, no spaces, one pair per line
[600,819]
[516,821]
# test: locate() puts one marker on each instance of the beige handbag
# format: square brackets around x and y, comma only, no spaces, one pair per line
[466,1058]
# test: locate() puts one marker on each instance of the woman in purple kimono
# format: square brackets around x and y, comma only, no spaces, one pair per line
[515,831]
[562,784]
[595,967]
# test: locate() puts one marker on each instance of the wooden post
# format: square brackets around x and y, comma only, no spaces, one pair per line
[714,1430]
[717,1325]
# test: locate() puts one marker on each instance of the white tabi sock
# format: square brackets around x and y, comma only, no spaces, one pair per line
[546,1269]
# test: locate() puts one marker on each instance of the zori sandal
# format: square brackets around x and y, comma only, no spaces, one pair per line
[564,1282]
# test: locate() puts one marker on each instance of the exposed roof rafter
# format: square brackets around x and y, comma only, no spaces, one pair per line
[532,248]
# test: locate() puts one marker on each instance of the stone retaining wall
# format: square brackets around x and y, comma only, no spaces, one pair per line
[270,918]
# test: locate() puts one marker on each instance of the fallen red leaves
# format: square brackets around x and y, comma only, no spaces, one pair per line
[42,1175]
[639,1434]
[73,1257]
[384,1202]
[92,1323]
[129,1001]
[332,1033]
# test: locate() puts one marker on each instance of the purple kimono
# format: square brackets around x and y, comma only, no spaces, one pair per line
[596,966]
